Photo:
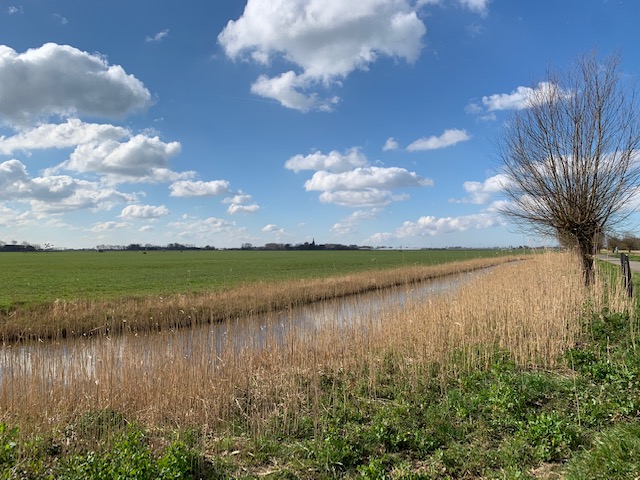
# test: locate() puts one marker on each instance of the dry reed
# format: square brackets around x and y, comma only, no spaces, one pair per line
[266,375]
[63,319]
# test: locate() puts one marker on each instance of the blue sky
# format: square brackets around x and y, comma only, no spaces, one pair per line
[228,122]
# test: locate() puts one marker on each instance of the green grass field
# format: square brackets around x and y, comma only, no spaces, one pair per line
[37,278]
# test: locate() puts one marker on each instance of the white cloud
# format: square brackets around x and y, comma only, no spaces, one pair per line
[15,10]
[325,39]
[521,97]
[516,100]
[241,199]
[144,211]
[14,180]
[348,226]
[274,229]
[370,197]
[240,204]
[107,226]
[447,139]
[285,89]
[477,6]
[188,188]
[348,180]
[343,229]
[139,159]
[364,178]
[205,229]
[64,135]
[482,192]
[55,193]
[65,81]
[157,37]
[430,226]
[390,144]
[332,162]
[62,193]
[238,208]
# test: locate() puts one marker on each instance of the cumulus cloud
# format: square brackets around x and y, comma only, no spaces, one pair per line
[348,180]
[108,226]
[139,159]
[285,89]
[362,178]
[390,144]
[371,197]
[235,208]
[430,226]
[15,10]
[65,81]
[144,212]
[205,229]
[325,39]
[447,139]
[522,97]
[331,162]
[482,192]
[271,228]
[240,199]
[348,226]
[69,134]
[56,193]
[240,204]
[189,188]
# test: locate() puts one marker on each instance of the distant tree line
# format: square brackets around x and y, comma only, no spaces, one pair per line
[304,246]
[14,246]
[628,241]
[149,247]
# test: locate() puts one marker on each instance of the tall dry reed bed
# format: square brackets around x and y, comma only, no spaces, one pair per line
[63,319]
[177,380]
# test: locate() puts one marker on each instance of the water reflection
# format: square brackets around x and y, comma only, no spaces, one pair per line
[66,360]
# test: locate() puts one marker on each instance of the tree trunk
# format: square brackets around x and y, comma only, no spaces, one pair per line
[586,254]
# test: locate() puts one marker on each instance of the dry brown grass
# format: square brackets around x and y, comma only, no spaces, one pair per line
[177,379]
[63,319]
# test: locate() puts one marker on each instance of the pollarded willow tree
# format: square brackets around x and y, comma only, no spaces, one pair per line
[571,156]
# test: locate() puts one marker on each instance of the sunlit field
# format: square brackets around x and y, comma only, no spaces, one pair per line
[167,380]
[61,294]
[305,400]
[43,277]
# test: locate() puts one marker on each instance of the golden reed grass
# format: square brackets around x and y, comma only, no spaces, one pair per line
[268,376]
[62,319]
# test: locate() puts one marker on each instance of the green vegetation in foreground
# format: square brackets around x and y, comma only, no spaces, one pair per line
[579,422]
[38,278]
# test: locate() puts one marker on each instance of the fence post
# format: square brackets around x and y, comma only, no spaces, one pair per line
[626,273]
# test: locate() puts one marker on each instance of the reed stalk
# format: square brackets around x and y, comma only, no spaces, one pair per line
[275,375]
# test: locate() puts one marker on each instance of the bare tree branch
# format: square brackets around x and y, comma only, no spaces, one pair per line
[571,158]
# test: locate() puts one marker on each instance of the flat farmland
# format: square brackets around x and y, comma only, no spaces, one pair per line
[31,279]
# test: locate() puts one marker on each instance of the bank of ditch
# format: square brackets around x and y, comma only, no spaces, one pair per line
[524,374]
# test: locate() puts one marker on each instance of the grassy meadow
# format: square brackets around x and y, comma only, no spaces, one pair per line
[33,279]
[523,373]
[61,294]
